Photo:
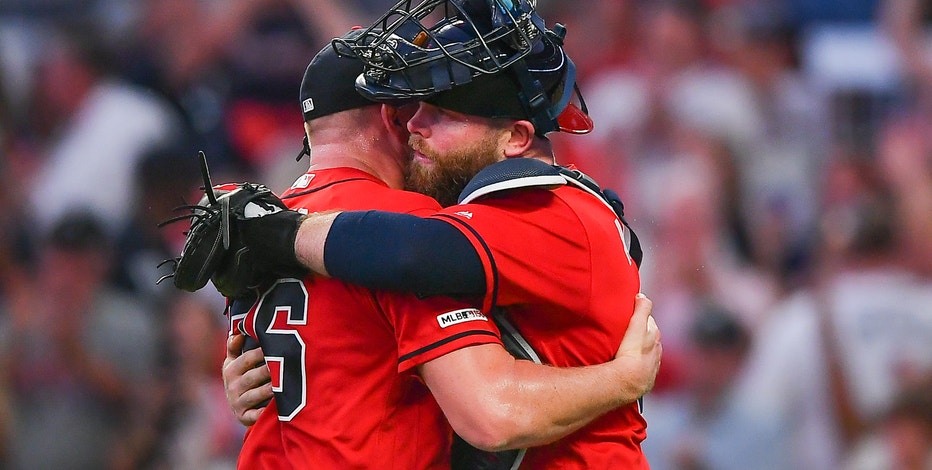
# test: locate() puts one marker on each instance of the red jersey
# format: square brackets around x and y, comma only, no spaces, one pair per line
[343,358]
[556,258]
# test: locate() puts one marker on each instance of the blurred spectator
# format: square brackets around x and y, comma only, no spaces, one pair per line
[95,128]
[78,358]
[166,178]
[775,180]
[614,21]
[902,437]
[689,261]
[905,147]
[873,350]
[7,186]
[200,432]
[905,163]
[689,426]
[215,62]
[904,22]
[614,45]
[833,355]
[672,109]
[5,119]
[192,52]
[671,82]
[11,278]
[13,167]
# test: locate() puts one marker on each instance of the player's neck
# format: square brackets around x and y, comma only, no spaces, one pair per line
[371,160]
[541,149]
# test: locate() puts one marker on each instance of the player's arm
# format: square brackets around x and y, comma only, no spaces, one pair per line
[246,380]
[373,249]
[496,402]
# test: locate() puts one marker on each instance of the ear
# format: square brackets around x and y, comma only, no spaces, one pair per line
[394,122]
[389,116]
[520,138]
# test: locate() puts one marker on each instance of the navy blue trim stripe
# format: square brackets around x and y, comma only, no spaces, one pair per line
[319,188]
[445,341]
[488,251]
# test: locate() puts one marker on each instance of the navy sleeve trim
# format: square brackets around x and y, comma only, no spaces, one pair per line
[443,342]
[385,250]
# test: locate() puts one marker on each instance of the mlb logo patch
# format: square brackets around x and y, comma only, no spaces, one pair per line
[303,181]
[460,316]
[308,105]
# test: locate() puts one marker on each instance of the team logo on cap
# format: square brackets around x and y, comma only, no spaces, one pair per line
[308,105]
[460,316]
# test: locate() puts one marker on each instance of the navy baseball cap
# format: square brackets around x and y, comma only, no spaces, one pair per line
[329,84]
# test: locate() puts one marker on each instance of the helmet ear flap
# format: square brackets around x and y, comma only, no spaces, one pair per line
[571,118]
[548,105]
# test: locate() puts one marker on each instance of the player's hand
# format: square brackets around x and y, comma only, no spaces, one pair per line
[246,380]
[640,349]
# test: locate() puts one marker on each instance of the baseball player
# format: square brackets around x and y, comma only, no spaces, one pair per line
[525,235]
[353,369]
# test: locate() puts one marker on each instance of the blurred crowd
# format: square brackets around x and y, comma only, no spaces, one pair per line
[774,156]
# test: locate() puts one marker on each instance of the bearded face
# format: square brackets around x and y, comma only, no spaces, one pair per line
[443,175]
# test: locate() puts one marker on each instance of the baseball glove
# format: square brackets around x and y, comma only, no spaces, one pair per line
[213,248]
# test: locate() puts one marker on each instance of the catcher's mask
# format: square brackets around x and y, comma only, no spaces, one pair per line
[491,58]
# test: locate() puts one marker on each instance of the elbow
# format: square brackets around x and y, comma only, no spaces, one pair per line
[497,428]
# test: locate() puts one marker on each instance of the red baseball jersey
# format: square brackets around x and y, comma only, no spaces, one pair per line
[557,259]
[262,444]
[343,358]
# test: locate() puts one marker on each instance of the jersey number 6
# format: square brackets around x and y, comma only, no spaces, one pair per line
[280,311]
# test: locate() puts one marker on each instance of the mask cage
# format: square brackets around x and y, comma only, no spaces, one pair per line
[495,35]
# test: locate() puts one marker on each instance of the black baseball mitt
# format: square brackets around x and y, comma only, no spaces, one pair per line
[213,249]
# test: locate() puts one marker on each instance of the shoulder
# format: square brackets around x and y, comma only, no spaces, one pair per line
[352,189]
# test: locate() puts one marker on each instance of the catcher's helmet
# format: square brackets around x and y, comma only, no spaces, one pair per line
[492,58]
[494,34]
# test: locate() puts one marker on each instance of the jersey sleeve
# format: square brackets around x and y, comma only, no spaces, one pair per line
[526,243]
[429,328]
